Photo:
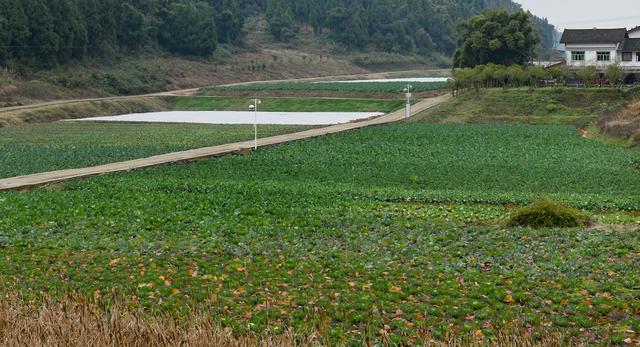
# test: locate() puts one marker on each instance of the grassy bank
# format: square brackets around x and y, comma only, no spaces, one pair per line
[623,125]
[361,87]
[540,106]
[47,147]
[335,235]
[148,73]
[82,110]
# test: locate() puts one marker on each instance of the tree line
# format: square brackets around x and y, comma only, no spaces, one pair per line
[48,32]
[533,76]
[395,26]
[56,31]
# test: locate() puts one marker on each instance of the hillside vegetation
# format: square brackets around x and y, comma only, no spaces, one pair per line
[39,32]
[574,106]
[624,125]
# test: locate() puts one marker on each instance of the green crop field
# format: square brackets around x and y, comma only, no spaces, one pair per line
[363,87]
[539,106]
[345,236]
[55,146]
[200,103]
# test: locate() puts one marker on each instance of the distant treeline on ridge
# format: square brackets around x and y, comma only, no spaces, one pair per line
[48,32]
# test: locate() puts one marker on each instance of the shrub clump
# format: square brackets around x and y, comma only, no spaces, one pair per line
[546,213]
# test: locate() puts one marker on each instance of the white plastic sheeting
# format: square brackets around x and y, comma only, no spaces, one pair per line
[233,117]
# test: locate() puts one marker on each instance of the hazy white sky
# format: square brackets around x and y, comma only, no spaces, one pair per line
[586,13]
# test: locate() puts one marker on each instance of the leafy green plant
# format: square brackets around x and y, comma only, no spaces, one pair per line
[56,146]
[546,213]
[551,107]
[334,233]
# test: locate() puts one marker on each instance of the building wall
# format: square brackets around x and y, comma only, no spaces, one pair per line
[634,34]
[635,63]
[591,57]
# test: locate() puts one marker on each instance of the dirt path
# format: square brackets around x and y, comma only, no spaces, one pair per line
[191,91]
[45,178]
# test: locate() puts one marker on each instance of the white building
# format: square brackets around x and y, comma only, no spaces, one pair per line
[603,47]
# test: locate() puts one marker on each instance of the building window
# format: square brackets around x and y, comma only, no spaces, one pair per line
[638,56]
[604,56]
[627,56]
[577,56]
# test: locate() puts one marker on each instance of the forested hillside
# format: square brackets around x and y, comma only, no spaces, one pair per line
[48,32]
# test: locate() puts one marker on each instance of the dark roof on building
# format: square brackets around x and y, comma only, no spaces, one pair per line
[635,29]
[631,45]
[593,36]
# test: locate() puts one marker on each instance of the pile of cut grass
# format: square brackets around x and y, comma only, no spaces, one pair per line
[546,213]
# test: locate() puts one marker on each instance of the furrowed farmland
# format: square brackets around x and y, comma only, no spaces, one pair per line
[392,234]
[65,145]
[48,147]
[300,173]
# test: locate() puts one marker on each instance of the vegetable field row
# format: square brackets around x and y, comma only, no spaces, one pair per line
[56,146]
[364,87]
[337,235]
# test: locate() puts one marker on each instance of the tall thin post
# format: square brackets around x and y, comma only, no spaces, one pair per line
[408,106]
[255,123]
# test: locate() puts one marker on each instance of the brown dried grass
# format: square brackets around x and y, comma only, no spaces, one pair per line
[625,125]
[75,321]
[84,109]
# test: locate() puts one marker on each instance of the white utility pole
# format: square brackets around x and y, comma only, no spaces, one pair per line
[254,107]
[407,93]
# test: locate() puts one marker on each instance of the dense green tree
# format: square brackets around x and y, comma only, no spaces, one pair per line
[316,19]
[43,41]
[72,36]
[347,27]
[496,36]
[229,20]
[131,25]
[280,20]
[5,39]
[100,22]
[189,28]
[229,27]
[18,29]
[55,31]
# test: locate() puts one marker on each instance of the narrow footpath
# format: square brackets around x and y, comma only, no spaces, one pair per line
[22,183]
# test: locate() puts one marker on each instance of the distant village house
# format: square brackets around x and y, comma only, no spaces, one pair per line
[602,48]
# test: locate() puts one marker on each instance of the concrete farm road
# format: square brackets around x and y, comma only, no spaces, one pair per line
[46,178]
[191,91]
